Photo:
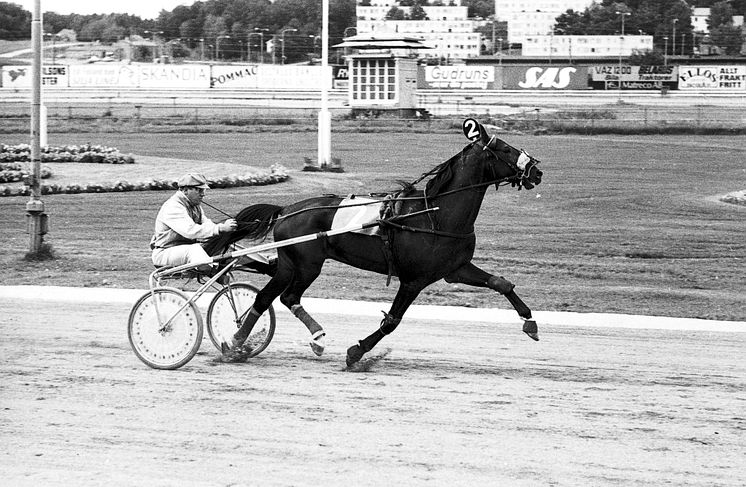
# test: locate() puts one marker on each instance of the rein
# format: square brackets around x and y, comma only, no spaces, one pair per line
[388,197]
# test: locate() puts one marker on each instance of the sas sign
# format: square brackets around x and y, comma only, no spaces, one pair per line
[544,78]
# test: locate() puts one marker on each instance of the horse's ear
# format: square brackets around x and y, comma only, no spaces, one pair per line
[473,130]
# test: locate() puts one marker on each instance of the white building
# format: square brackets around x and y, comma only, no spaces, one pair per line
[585,46]
[700,16]
[448,31]
[534,17]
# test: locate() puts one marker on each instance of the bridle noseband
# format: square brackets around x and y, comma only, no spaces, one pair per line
[522,166]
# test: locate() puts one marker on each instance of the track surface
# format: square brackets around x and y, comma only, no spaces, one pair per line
[438,404]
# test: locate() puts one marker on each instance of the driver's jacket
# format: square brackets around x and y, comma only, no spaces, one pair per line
[181,223]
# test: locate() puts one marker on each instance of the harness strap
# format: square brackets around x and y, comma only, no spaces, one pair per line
[431,231]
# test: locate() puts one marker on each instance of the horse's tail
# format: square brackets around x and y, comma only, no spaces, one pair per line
[254,222]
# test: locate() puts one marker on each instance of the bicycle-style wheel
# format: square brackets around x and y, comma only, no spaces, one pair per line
[227,311]
[165,329]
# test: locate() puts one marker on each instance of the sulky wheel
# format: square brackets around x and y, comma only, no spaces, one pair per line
[227,311]
[165,328]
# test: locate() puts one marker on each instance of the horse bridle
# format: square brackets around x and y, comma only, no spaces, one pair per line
[522,166]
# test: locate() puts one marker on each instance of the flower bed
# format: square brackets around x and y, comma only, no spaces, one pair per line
[68,153]
[11,172]
[277,174]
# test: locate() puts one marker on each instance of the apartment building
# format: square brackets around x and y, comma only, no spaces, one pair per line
[533,17]
[447,31]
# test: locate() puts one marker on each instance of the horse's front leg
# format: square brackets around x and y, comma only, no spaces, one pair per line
[405,296]
[474,276]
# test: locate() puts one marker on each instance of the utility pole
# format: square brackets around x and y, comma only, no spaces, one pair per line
[37,219]
[325,122]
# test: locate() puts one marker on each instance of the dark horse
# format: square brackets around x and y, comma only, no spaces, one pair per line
[419,250]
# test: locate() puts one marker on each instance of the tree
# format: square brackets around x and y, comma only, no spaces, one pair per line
[395,14]
[728,38]
[723,33]
[417,12]
[647,58]
[15,22]
[479,8]
[720,14]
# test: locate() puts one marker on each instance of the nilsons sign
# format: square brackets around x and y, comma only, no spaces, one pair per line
[610,76]
[464,77]
[20,76]
[716,78]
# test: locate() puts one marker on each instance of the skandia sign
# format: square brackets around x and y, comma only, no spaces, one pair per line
[460,76]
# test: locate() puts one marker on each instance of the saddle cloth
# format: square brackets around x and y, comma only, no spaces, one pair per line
[354,215]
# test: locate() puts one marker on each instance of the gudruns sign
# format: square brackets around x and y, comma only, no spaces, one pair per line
[460,76]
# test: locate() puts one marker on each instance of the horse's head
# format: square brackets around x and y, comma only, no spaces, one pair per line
[507,162]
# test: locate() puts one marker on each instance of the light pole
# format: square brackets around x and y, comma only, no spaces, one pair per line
[283,42]
[261,42]
[500,40]
[665,52]
[249,42]
[673,37]
[154,38]
[621,45]
[623,14]
[217,45]
[202,49]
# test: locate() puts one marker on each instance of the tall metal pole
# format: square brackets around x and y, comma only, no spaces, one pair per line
[325,126]
[673,38]
[35,207]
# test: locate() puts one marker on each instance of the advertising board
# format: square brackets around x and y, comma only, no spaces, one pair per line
[20,76]
[173,75]
[716,78]
[460,77]
[267,76]
[103,75]
[234,77]
[608,77]
[548,77]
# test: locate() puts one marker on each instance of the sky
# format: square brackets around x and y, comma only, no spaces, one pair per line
[147,9]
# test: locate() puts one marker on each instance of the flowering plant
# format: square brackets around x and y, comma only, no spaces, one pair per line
[68,153]
[277,174]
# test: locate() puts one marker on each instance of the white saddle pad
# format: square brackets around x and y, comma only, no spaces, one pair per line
[355,215]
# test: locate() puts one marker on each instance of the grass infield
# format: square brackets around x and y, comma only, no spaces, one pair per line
[626,224]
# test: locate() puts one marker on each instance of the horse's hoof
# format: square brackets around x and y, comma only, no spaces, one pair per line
[354,354]
[318,343]
[533,336]
[531,329]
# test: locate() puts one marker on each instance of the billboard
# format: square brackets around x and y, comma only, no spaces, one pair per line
[548,77]
[173,75]
[609,77]
[234,77]
[20,76]
[723,78]
[267,76]
[460,77]
[103,75]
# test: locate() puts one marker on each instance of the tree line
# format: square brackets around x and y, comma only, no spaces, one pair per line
[238,29]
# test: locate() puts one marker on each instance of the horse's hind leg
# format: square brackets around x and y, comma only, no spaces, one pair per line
[282,278]
[474,276]
[406,295]
[302,279]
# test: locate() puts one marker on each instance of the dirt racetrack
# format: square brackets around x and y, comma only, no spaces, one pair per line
[461,404]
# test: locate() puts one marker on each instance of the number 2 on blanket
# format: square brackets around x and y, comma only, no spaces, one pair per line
[471,129]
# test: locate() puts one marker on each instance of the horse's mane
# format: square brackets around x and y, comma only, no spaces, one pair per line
[442,175]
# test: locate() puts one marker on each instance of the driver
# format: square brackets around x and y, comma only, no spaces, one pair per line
[181,225]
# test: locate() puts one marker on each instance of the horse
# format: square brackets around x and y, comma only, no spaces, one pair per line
[434,243]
